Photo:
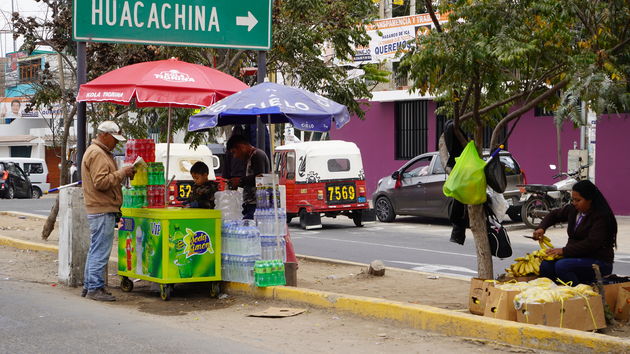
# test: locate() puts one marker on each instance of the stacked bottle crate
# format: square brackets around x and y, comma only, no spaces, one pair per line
[147,185]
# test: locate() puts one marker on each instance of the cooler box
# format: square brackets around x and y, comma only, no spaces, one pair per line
[170,245]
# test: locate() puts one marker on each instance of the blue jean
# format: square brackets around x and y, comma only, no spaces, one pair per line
[574,270]
[102,237]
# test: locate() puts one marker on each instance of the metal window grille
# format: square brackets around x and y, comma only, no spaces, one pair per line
[411,129]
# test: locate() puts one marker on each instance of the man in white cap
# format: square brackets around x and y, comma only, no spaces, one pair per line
[103,197]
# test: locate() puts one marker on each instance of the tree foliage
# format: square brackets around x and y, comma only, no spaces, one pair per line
[302,30]
[497,59]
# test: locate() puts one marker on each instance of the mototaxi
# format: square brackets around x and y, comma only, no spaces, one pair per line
[322,178]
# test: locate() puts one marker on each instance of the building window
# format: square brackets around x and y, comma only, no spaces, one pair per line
[411,129]
[30,70]
[20,151]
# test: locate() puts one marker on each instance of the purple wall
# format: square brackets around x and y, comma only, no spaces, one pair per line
[612,167]
[375,138]
[533,144]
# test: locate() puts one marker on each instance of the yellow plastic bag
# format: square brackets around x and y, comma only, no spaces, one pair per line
[467,181]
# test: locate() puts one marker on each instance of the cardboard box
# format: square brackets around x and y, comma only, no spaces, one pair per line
[611,291]
[478,294]
[622,308]
[500,304]
[573,314]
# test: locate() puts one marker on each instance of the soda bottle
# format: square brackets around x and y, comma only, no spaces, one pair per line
[258,273]
[282,279]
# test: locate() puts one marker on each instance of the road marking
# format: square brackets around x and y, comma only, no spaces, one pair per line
[436,268]
[392,246]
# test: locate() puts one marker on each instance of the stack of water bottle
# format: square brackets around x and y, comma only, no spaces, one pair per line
[240,250]
[230,203]
[147,185]
[271,223]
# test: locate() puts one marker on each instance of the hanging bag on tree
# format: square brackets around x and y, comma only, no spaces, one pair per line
[500,245]
[495,172]
[467,181]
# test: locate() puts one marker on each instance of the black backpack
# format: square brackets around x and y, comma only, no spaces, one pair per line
[500,245]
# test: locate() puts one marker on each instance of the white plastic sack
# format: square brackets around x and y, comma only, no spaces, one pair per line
[498,204]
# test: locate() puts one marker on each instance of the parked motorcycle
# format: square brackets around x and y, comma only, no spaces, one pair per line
[539,199]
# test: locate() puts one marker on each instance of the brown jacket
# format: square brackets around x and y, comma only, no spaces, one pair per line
[101,180]
[591,239]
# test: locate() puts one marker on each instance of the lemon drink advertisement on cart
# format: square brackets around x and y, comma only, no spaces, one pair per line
[170,245]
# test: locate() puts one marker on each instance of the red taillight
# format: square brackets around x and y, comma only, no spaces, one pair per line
[361,190]
[320,194]
[47,178]
[524,176]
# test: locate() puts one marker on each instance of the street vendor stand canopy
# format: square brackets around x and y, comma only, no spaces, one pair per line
[164,83]
[274,103]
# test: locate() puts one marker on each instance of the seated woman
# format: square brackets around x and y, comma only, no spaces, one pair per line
[592,230]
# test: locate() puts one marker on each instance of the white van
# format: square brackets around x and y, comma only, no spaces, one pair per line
[36,170]
[183,156]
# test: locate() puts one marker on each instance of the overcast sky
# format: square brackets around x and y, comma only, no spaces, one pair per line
[25,8]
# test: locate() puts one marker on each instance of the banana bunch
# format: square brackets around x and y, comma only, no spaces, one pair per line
[545,243]
[530,263]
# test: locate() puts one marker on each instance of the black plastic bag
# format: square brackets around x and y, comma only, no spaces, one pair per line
[495,175]
[500,245]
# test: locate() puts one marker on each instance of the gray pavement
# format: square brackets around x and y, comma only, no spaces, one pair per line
[423,244]
[36,318]
[40,206]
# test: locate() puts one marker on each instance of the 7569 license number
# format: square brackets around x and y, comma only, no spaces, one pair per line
[341,193]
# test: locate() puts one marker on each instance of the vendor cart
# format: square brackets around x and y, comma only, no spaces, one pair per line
[169,246]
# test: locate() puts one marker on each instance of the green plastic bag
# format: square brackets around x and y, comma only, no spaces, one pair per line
[467,181]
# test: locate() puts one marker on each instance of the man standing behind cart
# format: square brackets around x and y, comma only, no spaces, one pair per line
[103,198]
[257,163]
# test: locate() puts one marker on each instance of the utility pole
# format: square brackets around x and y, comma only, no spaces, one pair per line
[13,29]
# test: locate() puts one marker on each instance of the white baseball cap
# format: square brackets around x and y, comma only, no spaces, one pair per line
[111,128]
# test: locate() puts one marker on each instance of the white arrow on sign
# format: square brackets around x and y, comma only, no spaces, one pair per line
[250,21]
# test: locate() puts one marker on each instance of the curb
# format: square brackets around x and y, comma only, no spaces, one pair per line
[27,245]
[446,322]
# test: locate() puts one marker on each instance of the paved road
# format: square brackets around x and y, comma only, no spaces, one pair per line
[411,243]
[40,206]
[36,319]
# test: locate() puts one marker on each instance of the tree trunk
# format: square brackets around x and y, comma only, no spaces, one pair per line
[478,226]
[49,226]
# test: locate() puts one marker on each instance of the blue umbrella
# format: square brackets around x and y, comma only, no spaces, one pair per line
[274,103]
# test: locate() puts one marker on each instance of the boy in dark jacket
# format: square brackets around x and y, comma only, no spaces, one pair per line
[202,194]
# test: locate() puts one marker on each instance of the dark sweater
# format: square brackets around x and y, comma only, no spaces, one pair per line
[202,195]
[591,239]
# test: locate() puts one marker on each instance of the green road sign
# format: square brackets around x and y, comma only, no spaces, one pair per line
[203,23]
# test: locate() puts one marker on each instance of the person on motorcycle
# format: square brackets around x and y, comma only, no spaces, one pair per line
[592,231]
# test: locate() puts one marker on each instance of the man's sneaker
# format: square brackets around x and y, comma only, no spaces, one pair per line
[100,295]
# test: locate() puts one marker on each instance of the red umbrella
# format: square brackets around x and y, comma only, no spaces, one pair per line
[163,83]
[160,84]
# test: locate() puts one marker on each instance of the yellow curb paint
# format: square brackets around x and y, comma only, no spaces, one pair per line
[447,322]
[26,245]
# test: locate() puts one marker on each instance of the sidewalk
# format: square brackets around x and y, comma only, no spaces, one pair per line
[373,297]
